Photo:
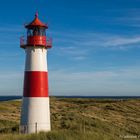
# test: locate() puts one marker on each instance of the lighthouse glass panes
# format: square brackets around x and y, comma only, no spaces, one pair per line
[36,32]
[35,113]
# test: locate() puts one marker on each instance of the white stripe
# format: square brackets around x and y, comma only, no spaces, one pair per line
[35,110]
[36,59]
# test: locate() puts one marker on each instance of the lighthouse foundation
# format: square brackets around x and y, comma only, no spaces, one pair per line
[35,115]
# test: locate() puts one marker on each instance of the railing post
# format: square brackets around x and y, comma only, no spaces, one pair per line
[22,40]
[36,127]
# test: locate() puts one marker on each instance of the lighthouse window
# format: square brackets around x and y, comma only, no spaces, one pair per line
[29,32]
[42,32]
[36,32]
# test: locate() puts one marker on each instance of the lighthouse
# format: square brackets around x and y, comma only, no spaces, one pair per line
[35,111]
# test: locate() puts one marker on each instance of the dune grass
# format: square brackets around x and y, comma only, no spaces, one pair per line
[77,119]
[59,135]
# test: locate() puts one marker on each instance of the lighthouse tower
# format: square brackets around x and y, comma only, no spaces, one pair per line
[35,113]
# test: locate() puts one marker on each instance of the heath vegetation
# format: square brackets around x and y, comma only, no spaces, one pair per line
[77,119]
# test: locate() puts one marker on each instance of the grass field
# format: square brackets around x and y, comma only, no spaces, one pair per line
[78,119]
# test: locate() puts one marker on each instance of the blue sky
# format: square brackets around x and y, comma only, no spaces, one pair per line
[96,45]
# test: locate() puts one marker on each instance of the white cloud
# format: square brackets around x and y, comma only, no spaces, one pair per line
[10,75]
[87,41]
[79,58]
[115,81]
[10,28]
[74,51]
[122,41]
[11,83]
[80,46]
[126,73]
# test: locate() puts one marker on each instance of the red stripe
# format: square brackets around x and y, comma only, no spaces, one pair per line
[35,84]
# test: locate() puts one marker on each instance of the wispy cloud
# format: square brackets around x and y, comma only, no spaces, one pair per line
[122,81]
[89,40]
[11,75]
[80,46]
[11,29]
[72,50]
[122,73]
[122,41]
[11,82]
[10,36]
[79,58]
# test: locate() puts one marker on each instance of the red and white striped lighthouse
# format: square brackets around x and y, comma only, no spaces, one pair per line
[35,113]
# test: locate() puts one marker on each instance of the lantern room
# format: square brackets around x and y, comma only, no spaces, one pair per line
[36,35]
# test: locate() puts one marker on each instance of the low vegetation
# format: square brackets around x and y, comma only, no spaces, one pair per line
[78,119]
